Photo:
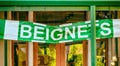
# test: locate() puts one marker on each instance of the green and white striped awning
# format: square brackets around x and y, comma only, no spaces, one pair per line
[77,31]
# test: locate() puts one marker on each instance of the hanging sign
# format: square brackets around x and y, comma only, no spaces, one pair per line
[37,32]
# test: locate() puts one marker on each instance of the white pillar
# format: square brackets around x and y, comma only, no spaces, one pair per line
[113,53]
[30,44]
[89,42]
[89,53]
[109,51]
[9,50]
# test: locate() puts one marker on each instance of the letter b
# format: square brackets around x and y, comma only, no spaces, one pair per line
[23,32]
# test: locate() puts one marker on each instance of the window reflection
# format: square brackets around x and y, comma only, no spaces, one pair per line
[106,15]
[22,15]
[46,55]
[19,53]
[75,55]
[59,17]
[20,47]
[101,53]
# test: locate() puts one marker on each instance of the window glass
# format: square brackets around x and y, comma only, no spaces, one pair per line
[74,55]
[74,52]
[59,17]
[19,53]
[101,52]
[102,55]
[20,15]
[106,15]
[20,47]
[46,55]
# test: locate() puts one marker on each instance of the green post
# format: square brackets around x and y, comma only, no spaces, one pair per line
[93,35]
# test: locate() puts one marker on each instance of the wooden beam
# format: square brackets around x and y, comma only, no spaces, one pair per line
[85,53]
[35,52]
[58,57]
[60,54]
[106,51]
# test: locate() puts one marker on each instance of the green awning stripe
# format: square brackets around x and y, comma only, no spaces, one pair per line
[2,27]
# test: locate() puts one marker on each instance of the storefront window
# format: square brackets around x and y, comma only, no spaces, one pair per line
[106,15]
[74,55]
[19,53]
[101,52]
[20,48]
[20,15]
[46,55]
[102,45]
[59,17]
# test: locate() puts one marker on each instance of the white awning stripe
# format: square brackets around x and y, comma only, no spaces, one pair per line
[11,30]
[116,27]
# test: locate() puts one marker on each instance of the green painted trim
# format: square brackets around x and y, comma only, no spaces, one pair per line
[93,36]
[5,53]
[58,0]
[58,3]
[38,8]
[116,50]
[60,8]
[108,8]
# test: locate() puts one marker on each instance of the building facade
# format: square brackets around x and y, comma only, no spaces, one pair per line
[104,52]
